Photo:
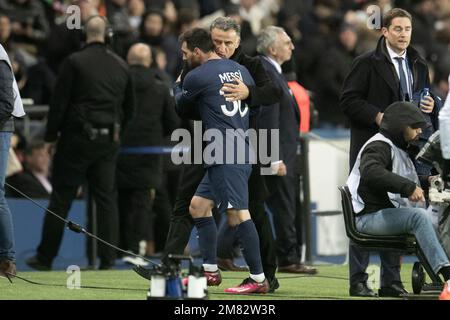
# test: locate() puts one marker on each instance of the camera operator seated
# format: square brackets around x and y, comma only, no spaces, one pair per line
[386,195]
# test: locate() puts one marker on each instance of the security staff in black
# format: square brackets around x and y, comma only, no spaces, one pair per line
[93,101]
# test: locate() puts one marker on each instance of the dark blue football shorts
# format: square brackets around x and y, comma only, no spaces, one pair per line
[226,185]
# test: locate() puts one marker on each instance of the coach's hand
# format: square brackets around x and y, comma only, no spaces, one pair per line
[282,170]
[235,92]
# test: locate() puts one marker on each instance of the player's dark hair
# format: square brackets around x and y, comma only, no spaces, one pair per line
[197,38]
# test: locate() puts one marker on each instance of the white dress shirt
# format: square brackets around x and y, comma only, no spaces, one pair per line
[408,74]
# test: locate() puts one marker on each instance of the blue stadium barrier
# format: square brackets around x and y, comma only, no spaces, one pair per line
[28,220]
[152,150]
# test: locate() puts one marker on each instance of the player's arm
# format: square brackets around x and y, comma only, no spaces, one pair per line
[185,98]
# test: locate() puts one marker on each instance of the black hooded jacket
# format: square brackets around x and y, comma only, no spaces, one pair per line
[377,178]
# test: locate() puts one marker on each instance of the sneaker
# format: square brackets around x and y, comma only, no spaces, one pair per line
[250,286]
[445,294]
[212,279]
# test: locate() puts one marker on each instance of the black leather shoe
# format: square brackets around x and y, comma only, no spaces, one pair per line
[395,290]
[228,265]
[361,290]
[297,268]
[36,264]
[105,266]
[273,284]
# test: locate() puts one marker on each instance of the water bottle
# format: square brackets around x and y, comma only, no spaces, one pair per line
[158,286]
[425,93]
[174,287]
[197,286]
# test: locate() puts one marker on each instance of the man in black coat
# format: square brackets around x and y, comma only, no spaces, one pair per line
[263,93]
[139,175]
[93,101]
[275,47]
[394,71]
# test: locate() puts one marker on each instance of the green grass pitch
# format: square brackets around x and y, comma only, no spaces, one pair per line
[330,283]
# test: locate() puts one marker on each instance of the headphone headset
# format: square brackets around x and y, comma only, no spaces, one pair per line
[109,31]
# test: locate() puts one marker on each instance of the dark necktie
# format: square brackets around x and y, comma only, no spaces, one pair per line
[403,84]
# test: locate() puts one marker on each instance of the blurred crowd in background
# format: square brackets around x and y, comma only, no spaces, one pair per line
[327,35]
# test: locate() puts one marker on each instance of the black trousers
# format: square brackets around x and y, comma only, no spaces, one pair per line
[136,217]
[162,208]
[76,160]
[359,261]
[282,204]
[181,223]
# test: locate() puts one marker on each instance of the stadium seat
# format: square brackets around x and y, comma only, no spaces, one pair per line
[406,244]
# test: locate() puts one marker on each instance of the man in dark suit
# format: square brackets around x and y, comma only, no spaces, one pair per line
[394,71]
[276,48]
[33,180]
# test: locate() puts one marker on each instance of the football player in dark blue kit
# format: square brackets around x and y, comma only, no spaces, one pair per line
[225,183]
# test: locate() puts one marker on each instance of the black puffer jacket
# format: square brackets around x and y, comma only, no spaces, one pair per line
[377,178]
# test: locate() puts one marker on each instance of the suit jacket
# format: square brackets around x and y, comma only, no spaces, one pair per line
[283,115]
[371,86]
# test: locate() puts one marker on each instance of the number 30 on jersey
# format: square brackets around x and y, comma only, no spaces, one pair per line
[237,106]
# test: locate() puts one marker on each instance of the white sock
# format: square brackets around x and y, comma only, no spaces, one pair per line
[210,267]
[258,277]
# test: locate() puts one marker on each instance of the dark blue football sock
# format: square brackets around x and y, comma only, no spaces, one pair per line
[226,239]
[207,239]
[249,240]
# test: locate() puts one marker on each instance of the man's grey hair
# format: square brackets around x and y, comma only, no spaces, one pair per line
[266,38]
[225,24]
